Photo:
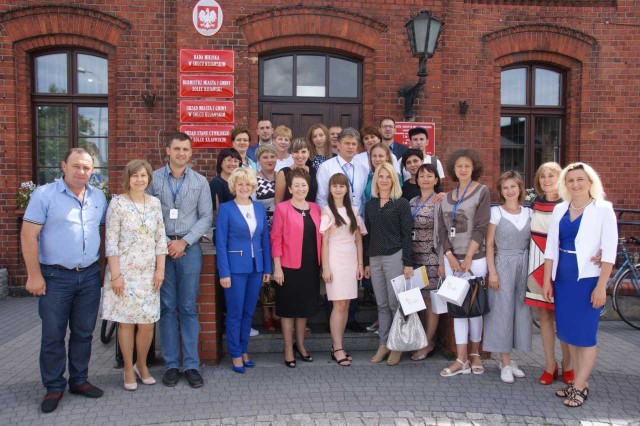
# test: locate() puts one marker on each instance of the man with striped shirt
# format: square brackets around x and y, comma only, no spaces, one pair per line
[187,212]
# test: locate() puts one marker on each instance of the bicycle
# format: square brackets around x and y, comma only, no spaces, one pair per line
[625,285]
[106,331]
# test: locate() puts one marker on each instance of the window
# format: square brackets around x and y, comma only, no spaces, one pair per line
[70,110]
[532,118]
[311,76]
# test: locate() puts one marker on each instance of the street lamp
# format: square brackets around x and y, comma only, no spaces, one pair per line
[423,31]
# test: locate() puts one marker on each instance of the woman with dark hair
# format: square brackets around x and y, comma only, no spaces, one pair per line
[462,228]
[412,159]
[342,264]
[425,253]
[241,141]
[296,250]
[319,143]
[228,160]
[300,154]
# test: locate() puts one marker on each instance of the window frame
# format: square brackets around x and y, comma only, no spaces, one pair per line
[531,111]
[319,99]
[72,100]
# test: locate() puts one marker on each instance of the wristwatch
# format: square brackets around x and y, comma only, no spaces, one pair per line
[448,252]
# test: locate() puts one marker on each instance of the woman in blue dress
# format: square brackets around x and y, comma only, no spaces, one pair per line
[581,226]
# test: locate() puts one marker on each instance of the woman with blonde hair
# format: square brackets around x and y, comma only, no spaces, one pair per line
[244,261]
[545,184]
[136,248]
[581,226]
[319,143]
[388,249]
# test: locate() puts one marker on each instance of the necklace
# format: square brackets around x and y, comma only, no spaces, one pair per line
[580,208]
[143,227]
[301,210]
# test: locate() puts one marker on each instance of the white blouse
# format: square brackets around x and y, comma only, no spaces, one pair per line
[519,220]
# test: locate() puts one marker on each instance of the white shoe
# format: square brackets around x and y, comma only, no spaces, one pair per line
[253,332]
[516,371]
[506,375]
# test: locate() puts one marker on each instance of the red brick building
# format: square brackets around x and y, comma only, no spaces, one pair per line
[543,79]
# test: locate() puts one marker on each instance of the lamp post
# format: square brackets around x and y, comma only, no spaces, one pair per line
[423,31]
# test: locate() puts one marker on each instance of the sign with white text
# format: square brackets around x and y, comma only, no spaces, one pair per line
[206,111]
[206,86]
[210,61]
[208,136]
[402,134]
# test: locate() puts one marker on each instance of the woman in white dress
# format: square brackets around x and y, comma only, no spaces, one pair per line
[136,247]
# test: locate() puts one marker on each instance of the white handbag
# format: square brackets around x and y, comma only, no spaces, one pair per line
[454,289]
[438,305]
[411,300]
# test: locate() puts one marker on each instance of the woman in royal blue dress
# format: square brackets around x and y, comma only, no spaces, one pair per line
[581,226]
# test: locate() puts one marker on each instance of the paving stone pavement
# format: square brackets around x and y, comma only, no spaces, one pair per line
[318,393]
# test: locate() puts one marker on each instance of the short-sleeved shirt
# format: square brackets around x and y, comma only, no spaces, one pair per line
[519,220]
[70,234]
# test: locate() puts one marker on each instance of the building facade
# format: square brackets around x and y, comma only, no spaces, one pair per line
[541,80]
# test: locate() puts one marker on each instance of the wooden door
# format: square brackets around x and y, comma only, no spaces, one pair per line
[299,116]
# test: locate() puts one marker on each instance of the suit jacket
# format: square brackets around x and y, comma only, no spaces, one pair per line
[286,234]
[234,241]
[598,230]
[398,150]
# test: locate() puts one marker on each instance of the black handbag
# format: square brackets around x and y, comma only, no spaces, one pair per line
[476,303]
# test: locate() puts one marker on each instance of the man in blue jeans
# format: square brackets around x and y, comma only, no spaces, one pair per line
[60,245]
[188,212]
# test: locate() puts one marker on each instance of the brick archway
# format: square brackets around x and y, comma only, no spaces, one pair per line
[562,47]
[305,27]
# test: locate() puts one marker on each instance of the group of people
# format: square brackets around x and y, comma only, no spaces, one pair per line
[339,206]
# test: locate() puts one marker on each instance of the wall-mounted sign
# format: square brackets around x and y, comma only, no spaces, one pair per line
[402,134]
[208,136]
[207,17]
[206,86]
[206,111]
[214,61]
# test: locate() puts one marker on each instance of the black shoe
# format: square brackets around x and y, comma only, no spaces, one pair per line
[307,358]
[86,389]
[194,378]
[170,377]
[50,401]
[355,327]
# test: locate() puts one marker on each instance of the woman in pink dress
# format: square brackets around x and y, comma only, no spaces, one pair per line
[342,263]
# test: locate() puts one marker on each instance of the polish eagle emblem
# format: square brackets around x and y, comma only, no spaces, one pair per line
[208,17]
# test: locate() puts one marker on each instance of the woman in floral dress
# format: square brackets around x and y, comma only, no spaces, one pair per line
[135,248]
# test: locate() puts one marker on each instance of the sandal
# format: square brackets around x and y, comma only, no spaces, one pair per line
[463,370]
[340,362]
[572,401]
[421,354]
[477,369]
[565,391]
[381,354]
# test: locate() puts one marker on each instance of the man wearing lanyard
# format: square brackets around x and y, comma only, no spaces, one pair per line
[356,173]
[60,245]
[187,212]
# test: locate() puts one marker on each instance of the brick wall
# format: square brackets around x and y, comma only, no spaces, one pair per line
[597,42]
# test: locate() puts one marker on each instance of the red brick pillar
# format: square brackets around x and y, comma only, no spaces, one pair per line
[210,337]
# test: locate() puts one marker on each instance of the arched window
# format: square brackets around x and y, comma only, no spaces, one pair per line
[532,119]
[69,101]
[310,75]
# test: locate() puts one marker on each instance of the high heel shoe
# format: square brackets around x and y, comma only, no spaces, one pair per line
[548,378]
[349,357]
[394,358]
[129,386]
[290,364]
[307,358]
[341,362]
[380,355]
[236,369]
[148,381]
[568,376]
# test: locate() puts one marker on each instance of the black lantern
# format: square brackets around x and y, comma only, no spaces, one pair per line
[423,31]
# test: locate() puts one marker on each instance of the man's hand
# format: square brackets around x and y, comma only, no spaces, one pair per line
[177,248]
[36,285]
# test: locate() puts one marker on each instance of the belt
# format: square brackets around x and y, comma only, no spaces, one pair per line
[76,269]
[568,251]
[175,237]
[510,252]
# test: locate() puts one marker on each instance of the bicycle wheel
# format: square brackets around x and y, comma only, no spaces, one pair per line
[626,299]
[106,331]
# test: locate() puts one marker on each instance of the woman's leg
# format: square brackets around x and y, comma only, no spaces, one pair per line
[300,325]
[234,300]
[126,334]
[585,361]
[428,321]
[475,335]
[252,290]
[461,332]
[548,335]
[337,324]
[144,337]
[287,336]
[382,302]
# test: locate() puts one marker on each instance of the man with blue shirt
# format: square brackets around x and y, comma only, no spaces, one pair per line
[60,244]
[388,132]
[265,137]
[187,212]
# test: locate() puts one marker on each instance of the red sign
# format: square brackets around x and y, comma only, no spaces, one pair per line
[402,134]
[206,86]
[209,136]
[206,60]
[206,112]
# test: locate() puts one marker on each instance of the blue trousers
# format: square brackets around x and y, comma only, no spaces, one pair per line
[178,300]
[72,299]
[241,300]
